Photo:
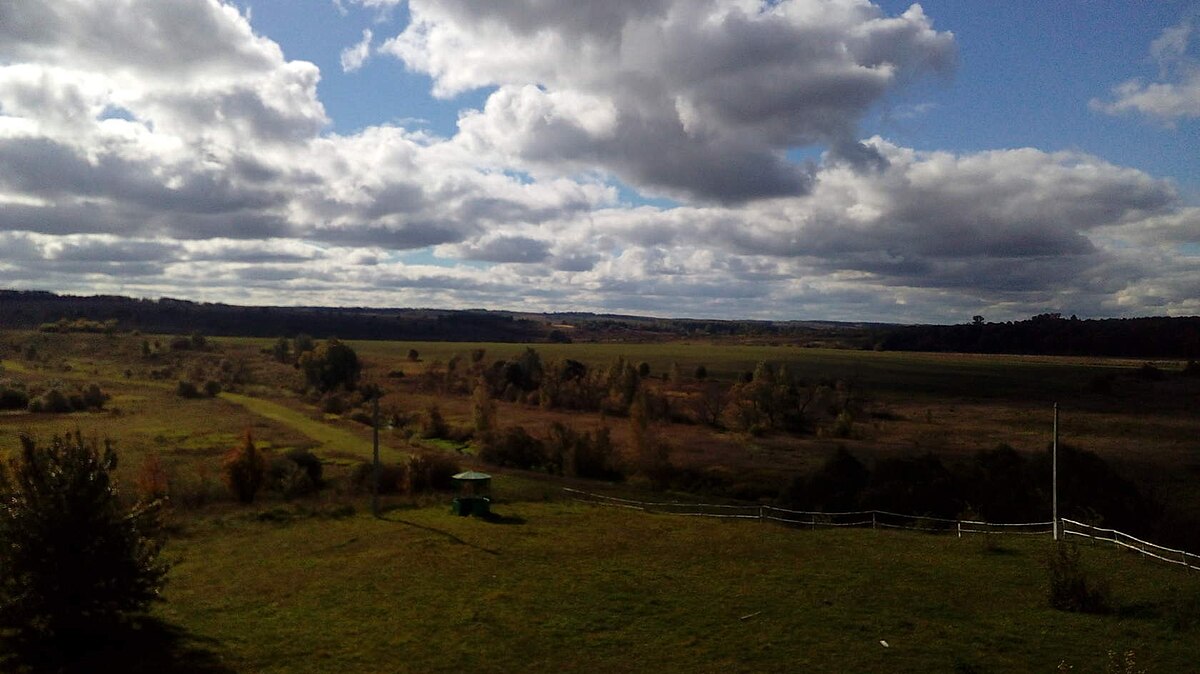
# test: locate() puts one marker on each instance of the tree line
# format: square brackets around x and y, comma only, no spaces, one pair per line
[1051,334]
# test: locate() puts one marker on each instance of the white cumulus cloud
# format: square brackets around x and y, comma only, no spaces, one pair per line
[355,56]
[1175,95]
[699,99]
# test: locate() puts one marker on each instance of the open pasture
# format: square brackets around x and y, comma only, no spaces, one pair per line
[907,403]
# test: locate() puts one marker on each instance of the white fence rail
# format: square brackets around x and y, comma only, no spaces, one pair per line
[880,519]
[1180,557]
[875,519]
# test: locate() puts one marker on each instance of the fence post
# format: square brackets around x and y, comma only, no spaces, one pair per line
[872,519]
[761,513]
[959,524]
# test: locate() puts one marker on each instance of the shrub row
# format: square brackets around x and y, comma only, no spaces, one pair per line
[422,473]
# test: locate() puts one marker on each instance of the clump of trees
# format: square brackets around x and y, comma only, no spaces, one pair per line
[768,399]
[582,453]
[67,325]
[997,485]
[330,365]
[187,389]
[289,351]
[193,342]
[74,558]
[55,400]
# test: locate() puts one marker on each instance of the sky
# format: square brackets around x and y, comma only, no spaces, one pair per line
[740,159]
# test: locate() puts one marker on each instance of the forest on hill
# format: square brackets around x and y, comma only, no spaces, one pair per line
[1044,334]
[1051,334]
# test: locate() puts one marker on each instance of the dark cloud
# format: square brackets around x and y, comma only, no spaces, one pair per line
[510,249]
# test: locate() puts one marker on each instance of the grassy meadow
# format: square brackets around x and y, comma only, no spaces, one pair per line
[315,584]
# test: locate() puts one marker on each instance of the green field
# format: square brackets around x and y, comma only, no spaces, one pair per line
[303,585]
[580,588]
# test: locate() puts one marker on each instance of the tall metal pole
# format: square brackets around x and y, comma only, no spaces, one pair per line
[1054,462]
[375,470]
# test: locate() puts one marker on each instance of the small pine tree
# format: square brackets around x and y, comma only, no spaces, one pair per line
[73,557]
[245,469]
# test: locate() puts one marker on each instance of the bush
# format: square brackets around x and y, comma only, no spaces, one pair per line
[74,559]
[13,396]
[244,470]
[433,425]
[1071,588]
[212,388]
[515,448]
[187,389]
[392,477]
[309,462]
[430,472]
[152,482]
[334,404]
[288,478]
[51,402]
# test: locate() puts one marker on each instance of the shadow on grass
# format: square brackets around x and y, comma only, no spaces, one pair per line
[1001,551]
[493,518]
[449,536]
[150,645]
[1139,610]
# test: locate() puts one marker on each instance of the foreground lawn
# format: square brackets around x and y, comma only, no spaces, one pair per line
[563,587]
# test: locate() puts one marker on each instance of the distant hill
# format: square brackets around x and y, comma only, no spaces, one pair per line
[33,310]
[1048,334]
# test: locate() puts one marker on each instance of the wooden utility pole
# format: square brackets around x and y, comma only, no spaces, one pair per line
[375,446]
[1054,472]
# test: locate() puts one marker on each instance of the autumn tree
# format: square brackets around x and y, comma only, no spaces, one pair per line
[245,469]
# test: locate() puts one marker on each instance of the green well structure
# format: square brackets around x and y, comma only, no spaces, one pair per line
[474,494]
